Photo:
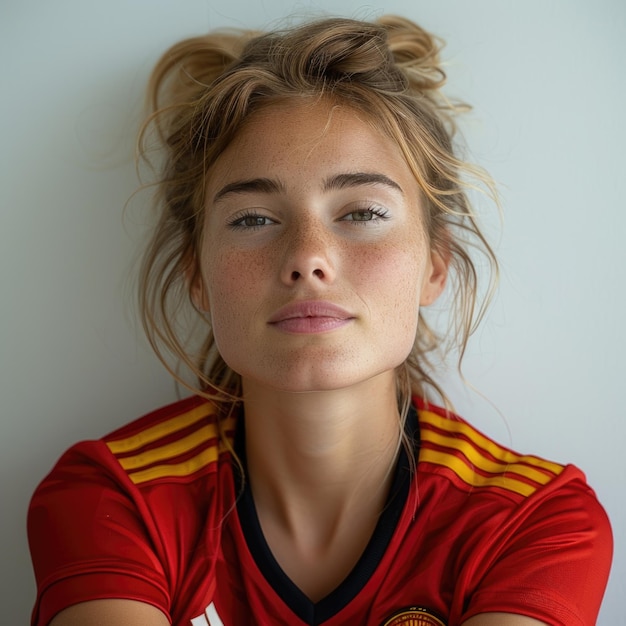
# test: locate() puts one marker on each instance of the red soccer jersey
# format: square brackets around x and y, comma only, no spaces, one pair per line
[150,513]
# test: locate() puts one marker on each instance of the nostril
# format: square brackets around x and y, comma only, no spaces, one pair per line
[318,273]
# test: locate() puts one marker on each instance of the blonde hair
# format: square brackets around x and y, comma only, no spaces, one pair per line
[201,93]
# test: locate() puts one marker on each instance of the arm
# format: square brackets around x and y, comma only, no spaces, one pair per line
[92,547]
[110,613]
[549,562]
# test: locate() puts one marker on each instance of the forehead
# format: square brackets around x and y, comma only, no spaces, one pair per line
[289,136]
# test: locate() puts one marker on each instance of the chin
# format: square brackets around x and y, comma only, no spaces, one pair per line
[329,381]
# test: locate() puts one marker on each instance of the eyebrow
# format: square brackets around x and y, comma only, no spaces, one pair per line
[254,185]
[358,179]
[337,182]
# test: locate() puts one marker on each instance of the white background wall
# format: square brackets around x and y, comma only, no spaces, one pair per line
[546,78]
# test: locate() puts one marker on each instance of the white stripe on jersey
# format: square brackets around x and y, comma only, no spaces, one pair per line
[211,615]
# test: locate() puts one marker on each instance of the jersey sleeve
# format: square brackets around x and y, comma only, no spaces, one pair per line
[90,538]
[551,561]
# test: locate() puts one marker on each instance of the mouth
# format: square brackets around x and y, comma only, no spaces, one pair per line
[310,316]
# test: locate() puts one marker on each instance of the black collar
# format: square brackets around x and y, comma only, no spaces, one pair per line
[314,613]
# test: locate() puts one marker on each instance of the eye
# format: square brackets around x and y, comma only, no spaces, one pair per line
[250,221]
[369,214]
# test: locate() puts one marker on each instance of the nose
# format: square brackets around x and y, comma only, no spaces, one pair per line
[308,255]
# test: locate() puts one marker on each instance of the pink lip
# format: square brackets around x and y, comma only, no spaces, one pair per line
[310,316]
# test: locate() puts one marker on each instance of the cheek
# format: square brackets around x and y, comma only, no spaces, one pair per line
[228,282]
[230,278]
[397,271]
[396,278]
[234,283]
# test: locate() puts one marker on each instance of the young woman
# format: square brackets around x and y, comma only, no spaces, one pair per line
[311,205]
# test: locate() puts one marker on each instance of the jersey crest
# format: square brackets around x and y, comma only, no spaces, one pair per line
[413,616]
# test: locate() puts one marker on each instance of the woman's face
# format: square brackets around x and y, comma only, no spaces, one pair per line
[314,258]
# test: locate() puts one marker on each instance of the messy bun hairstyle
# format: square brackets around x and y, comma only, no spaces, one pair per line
[203,90]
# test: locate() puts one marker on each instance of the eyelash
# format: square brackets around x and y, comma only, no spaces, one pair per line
[237,223]
[376,213]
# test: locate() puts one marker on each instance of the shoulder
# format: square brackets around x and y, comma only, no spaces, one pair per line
[140,467]
[495,485]
[116,516]
[177,442]
[532,537]
[474,462]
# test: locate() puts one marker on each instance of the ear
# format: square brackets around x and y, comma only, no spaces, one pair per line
[197,289]
[435,277]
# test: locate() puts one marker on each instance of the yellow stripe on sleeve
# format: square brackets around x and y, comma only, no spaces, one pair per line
[498,452]
[171,450]
[470,477]
[476,459]
[178,470]
[160,461]
[160,431]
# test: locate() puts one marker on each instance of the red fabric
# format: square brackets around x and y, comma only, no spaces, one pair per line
[176,543]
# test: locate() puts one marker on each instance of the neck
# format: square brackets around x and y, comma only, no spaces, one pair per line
[320,466]
[318,456]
